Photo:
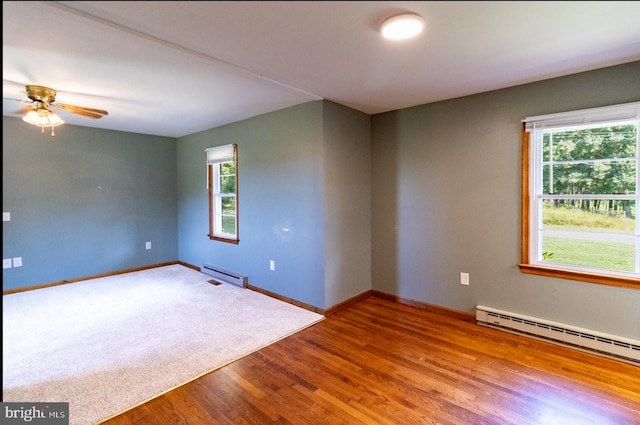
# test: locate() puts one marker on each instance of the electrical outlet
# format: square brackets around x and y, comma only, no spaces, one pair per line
[6,263]
[17,261]
[272,265]
[6,216]
[147,245]
[464,278]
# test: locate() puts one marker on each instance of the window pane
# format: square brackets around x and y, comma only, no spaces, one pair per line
[589,215]
[229,225]
[614,255]
[598,160]
[228,205]
[227,168]
[589,233]
[603,177]
[228,184]
[590,143]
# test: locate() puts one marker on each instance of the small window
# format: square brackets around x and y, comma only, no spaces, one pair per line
[222,182]
[580,195]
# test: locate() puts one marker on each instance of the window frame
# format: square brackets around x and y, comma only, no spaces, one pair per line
[527,265]
[213,185]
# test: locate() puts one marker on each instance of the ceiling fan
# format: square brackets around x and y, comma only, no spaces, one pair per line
[40,111]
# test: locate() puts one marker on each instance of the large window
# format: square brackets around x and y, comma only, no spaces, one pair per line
[222,181]
[580,195]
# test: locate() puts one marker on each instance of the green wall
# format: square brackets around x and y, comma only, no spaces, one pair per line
[448,202]
[347,203]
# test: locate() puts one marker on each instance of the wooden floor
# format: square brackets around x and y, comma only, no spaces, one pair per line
[382,362]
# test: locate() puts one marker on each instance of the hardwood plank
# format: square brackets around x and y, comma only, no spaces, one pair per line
[379,361]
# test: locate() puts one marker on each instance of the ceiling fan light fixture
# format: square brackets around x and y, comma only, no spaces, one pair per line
[42,118]
[41,110]
[401,27]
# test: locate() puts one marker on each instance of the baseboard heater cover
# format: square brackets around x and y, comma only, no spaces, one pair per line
[225,276]
[597,342]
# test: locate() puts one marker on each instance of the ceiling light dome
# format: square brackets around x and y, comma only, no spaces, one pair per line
[403,26]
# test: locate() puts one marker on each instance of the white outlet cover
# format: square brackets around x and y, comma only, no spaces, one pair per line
[6,216]
[17,261]
[6,263]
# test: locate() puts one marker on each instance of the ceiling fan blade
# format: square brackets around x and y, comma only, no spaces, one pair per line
[24,110]
[81,110]
[85,113]
[18,100]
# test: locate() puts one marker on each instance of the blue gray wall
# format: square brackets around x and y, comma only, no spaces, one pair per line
[347,203]
[304,202]
[280,202]
[446,199]
[85,202]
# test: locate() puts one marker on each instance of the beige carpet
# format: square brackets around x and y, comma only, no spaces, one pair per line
[108,344]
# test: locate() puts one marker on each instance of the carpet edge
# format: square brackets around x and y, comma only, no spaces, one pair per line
[101,421]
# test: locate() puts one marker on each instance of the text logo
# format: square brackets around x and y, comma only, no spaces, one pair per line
[35,413]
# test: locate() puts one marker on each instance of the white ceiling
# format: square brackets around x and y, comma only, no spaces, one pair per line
[173,68]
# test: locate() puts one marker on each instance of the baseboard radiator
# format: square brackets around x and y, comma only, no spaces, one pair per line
[597,342]
[225,276]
